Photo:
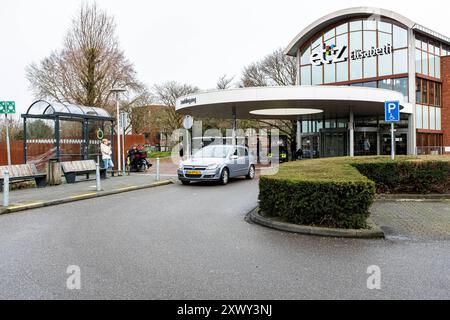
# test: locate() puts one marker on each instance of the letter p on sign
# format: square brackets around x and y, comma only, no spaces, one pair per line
[392,111]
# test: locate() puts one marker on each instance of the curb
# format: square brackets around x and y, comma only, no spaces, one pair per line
[12,209]
[374,233]
[412,197]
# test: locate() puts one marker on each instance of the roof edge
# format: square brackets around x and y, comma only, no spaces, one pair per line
[336,16]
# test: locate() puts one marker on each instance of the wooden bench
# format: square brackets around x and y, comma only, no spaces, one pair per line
[23,172]
[72,169]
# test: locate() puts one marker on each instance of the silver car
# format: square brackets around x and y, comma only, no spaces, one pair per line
[217,163]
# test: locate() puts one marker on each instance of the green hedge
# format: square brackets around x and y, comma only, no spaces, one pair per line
[322,203]
[408,176]
[338,192]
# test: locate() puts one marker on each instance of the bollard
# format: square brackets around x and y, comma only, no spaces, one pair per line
[6,188]
[97,177]
[157,170]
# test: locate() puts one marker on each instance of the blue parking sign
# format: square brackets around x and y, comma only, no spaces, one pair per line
[392,111]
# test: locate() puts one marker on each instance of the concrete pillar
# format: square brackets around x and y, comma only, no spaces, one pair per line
[234,125]
[351,128]
[412,150]
[378,143]
[299,134]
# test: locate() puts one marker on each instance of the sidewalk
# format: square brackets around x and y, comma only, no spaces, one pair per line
[51,195]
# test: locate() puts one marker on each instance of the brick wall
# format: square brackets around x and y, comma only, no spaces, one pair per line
[445,75]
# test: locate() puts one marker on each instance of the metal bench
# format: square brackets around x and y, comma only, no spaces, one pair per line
[23,172]
[72,169]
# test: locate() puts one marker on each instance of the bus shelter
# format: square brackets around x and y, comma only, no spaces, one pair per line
[64,132]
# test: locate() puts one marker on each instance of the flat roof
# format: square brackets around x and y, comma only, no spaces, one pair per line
[290,102]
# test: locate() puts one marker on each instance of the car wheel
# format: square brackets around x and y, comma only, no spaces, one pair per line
[225,176]
[185,183]
[251,173]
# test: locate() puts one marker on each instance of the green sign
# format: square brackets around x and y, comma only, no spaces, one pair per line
[7,107]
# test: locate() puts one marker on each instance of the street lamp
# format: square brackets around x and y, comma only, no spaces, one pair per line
[118,91]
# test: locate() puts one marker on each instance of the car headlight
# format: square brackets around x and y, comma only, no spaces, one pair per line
[180,165]
[213,166]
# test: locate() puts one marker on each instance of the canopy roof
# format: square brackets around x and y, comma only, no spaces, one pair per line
[292,102]
[44,109]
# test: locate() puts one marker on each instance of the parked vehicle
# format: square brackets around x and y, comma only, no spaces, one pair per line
[217,163]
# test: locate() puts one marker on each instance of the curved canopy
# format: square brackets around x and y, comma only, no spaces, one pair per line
[44,108]
[290,102]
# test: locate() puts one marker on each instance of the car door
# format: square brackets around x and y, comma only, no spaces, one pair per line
[233,163]
[243,160]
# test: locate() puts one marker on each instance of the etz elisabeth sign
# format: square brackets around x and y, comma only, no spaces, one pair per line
[331,54]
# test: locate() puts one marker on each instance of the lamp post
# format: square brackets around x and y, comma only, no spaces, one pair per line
[118,91]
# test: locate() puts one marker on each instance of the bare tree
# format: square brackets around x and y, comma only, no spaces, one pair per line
[276,69]
[224,82]
[167,119]
[88,66]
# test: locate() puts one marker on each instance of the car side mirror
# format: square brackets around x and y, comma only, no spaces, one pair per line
[234,157]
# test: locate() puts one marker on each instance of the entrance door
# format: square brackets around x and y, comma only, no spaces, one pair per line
[401,143]
[334,143]
[366,142]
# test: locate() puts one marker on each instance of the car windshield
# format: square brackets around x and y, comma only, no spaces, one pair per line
[212,152]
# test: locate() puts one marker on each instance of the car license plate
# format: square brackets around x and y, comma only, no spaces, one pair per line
[194,172]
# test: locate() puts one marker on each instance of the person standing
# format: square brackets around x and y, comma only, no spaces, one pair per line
[106,151]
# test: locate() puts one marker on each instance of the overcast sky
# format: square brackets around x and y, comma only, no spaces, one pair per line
[192,41]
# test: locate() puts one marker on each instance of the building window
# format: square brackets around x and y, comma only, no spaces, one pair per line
[418,61]
[428,92]
[401,85]
[418,116]
[425,118]
[317,75]
[305,76]
[401,61]
[432,118]
[438,119]
[428,53]
[342,29]
[400,36]
[384,65]
[330,73]
[304,60]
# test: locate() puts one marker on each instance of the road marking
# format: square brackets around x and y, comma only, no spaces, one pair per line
[27,205]
[84,195]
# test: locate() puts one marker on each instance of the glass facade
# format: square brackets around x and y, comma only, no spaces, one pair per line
[428,108]
[356,50]
[428,57]
[374,54]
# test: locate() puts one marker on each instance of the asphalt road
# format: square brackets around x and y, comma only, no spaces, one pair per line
[192,242]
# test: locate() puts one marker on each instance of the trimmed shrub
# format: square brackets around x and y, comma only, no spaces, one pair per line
[338,192]
[408,176]
[321,192]
[336,204]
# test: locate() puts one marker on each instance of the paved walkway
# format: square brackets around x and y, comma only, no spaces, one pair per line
[413,220]
[82,188]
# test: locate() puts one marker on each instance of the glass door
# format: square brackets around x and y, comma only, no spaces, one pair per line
[334,143]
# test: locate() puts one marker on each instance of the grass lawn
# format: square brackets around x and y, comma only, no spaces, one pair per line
[164,154]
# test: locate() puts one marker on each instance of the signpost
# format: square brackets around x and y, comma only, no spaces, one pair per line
[392,115]
[7,107]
